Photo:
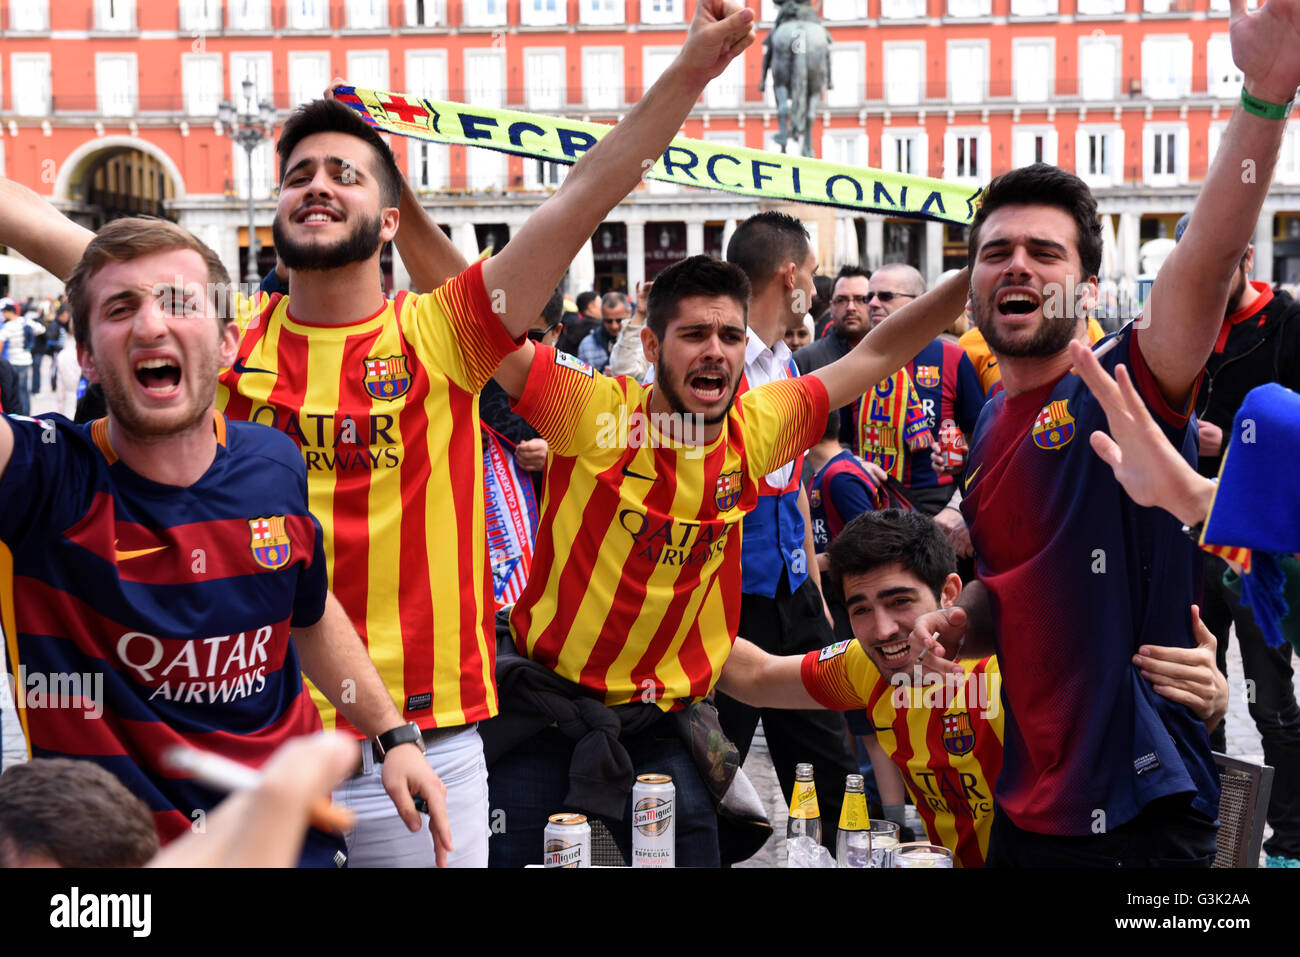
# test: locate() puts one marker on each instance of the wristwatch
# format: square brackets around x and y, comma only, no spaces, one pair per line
[409,733]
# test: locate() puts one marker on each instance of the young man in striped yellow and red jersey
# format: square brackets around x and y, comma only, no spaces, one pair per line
[942,730]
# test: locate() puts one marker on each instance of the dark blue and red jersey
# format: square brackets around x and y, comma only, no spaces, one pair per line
[1079,577]
[841,491]
[170,606]
[949,389]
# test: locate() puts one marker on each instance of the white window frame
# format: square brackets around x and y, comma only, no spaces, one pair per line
[663,54]
[531,16]
[854,96]
[1214,139]
[434,10]
[202,101]
[543,175]
[198,15]
[1153,87]
[264,171]
[891,136]
[535,96]
[600,12]
[891,91]
[1163,131]
[833,142]
[29,16]
[114,104]
[1100,8]
[968,9]
[249,14]
[484,13]
[983,154]
[843,10]
[300,90]
[354,73]
[436,69]
[960,88]
[619,76]
[727,92]
[432,158]
[488,170]
[307,14]
[902,9]
[1288,160]
[32,102]
[1114,149]
[662,11]
[114,16]
[1115,42]
[484,55]
[372,14]
[1223,79]
[263,83]
[1022,144]
[1019,81]
[1034,8]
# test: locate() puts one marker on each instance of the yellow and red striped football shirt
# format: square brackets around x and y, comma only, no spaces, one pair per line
[634,591]
[385,411]
[945,738]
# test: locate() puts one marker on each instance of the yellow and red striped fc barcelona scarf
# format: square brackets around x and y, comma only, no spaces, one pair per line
[891,420]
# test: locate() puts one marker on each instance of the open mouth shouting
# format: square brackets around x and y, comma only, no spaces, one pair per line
[708,385]
[159,376]
[1017,302]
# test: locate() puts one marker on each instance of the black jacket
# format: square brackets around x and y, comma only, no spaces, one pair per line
[1262,347]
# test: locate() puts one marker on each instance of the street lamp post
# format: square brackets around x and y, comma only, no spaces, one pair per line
[249,130]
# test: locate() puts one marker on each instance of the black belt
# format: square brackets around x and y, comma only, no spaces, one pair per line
[430,736]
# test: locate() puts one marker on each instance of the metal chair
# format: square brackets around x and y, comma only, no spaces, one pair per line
[1243,803]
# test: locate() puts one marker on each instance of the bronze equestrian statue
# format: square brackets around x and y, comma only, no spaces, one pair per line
[798,51]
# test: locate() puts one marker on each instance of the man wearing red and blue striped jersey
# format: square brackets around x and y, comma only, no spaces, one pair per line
[166,559]
[1073,575]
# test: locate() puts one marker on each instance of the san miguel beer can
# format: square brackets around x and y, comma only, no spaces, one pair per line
[567,841]
[952,446]
[654,827]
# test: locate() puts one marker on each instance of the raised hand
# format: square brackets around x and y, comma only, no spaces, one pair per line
[1266,48]
[721,31]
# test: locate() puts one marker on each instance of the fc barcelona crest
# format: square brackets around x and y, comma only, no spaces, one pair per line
[927,376]
[727,493]
[270,542]
[958,735]
[878,445]
[815,498]
[1054,427]
[387,376]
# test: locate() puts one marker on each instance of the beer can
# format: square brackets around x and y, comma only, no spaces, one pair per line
[654,826]
[567,841]
[952,446]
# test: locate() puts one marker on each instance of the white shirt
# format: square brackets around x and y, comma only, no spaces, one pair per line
[764,365]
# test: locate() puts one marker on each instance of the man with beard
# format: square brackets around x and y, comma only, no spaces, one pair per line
[134,537]
[1259,342]
[1097,770]
[635,590]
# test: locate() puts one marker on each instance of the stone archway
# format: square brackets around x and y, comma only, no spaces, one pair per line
[116,176]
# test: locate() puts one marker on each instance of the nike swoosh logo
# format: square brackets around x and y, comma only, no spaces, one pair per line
[135,553]
[239,368]
[970,478]
[636,475]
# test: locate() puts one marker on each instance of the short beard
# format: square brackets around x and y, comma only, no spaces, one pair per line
[663,378]
[1052,337]
[118,403]
[360,245]
[1238,290]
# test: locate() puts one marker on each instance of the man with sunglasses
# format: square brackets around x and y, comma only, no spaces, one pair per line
[595,349]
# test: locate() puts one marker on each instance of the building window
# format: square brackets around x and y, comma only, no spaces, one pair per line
[1097,154]
[367,14]
[426,74]
[368,69]
[1165,161]
[597,12]
[661,11]
[542,13]
[902,9]
[727,92]
[198,14]
[653,63]
[1032,63]
[602,78]
[487,170]
[485,13]
[309,74]
[1222,78]
[30,74]
[250,14]
[255,67]
[202,83]
[485,78]
[848,75]
[114,15]
[1100,8]
[1033,8]
[1033,145]
[968,71]
[904,152]
[1099,69]
[427,164]
[29,15]
[848,148]
[263,170]
[1288,161]
[904,72]
[965,156]
[844,9]
[307,14]
[539,174]
[965,9]
[426,13]
[544,79]
[1166,67]
[115,83]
